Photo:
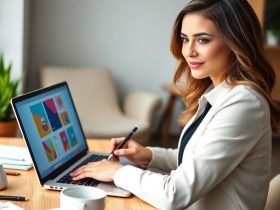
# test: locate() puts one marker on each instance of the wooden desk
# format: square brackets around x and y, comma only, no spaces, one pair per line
[27,184]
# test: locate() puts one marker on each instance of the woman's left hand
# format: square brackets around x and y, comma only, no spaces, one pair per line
[103,170]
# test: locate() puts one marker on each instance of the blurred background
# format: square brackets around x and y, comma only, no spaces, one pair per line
[131,38]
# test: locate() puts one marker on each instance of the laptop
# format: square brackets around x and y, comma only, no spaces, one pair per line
[53,133]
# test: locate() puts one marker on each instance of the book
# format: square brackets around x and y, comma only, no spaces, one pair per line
[14,157]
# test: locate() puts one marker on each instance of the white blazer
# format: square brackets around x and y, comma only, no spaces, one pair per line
[226,163]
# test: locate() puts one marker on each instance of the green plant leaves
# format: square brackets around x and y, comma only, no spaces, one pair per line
[8,90]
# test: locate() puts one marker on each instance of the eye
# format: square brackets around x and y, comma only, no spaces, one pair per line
[184,39]
[203,41]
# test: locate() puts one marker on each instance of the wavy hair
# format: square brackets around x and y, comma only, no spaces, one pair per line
[238,24]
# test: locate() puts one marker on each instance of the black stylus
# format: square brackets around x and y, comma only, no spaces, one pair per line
[13,198]
[120,145]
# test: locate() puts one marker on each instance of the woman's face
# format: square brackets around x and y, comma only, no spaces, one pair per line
[204,48]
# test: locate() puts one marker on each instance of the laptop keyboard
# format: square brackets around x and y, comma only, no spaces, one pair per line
[67,179]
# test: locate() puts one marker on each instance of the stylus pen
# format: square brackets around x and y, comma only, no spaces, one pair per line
[120,145]
[13,198]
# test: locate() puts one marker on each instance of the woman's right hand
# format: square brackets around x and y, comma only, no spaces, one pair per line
[133,151]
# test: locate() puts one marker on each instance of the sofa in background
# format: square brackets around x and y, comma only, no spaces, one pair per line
[96,100]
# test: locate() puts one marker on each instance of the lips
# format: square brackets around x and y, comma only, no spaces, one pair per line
[195,65]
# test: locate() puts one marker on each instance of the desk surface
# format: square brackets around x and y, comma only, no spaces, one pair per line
[28,185]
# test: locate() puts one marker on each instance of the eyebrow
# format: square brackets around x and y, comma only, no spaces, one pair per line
[197,34]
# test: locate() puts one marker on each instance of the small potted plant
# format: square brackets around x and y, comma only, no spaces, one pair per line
[273,27]
[8,90]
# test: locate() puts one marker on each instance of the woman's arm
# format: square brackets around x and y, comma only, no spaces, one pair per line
[240,127]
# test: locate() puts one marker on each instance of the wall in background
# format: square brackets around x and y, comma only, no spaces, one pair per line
[13,24]
[129,37]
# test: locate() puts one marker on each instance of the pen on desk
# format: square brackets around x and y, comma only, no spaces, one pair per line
[13,198]
[120,145]
[12,173]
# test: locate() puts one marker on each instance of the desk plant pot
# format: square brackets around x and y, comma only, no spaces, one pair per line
[8,90]
[8,129]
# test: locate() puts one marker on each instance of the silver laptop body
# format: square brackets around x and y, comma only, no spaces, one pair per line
[51,128]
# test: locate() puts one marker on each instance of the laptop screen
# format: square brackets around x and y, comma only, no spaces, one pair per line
[51,127]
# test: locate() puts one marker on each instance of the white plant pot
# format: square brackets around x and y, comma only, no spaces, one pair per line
[271,39]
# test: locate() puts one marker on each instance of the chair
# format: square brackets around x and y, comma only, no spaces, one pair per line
[96,101]
[273,198]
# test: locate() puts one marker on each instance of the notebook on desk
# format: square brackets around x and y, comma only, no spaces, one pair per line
[14,157]
[55,139]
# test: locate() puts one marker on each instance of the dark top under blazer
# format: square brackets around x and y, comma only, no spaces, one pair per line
[190,131]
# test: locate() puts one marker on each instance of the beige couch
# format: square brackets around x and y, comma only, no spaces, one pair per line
[96,100]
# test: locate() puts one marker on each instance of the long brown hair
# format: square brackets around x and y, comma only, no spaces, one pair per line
[241,31]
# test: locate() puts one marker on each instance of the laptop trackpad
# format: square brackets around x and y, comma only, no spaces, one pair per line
[113,190]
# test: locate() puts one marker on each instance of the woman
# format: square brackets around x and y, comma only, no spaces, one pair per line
[224,151]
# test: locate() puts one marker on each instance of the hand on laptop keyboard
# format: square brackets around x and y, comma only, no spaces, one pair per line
[103,170]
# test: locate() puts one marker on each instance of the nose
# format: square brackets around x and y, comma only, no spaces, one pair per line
[189,50]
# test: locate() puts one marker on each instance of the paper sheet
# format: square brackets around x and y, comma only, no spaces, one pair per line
[14,157]
[9,206]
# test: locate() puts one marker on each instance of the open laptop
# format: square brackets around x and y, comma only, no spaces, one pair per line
[55,139]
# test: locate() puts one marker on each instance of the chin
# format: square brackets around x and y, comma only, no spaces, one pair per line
[199,76]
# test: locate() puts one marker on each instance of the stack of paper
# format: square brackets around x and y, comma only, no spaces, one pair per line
[14,157]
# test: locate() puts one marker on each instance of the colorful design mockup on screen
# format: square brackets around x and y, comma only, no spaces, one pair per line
[40,119]
[49,150]
[64,141]
[52,114]
[59,102]
[51,127]
[64,118]
[72,136]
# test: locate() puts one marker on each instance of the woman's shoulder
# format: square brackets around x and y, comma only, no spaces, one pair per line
[247,96]
[245,105]
[225,93]
[247,91]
